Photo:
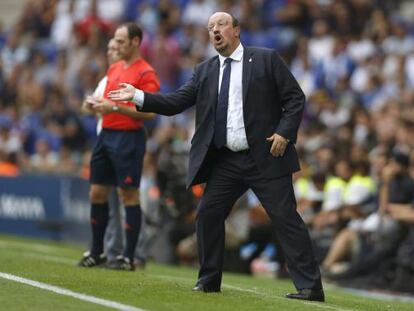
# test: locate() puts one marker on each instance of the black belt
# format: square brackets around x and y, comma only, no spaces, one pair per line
[245,151]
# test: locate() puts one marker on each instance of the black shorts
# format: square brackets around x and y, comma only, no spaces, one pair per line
[118,157]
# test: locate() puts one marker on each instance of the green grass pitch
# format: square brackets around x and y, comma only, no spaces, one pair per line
[156,288]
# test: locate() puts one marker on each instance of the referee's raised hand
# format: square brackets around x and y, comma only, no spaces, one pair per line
[126,92]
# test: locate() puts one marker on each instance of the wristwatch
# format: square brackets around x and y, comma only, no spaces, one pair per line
[115,108]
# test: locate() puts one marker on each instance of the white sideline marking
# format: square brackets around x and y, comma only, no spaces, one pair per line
[381,295]
[256,292]
[316,304]
[43,254]
[66,292]
[52,258]
[33,246]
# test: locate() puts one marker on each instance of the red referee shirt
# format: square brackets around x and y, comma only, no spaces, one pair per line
[141,75]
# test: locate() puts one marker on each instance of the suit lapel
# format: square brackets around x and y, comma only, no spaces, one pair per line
[248,61]
[213,77]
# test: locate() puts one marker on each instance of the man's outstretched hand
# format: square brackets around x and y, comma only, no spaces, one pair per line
[126,92]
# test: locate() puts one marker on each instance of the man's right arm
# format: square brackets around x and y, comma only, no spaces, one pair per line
[165,104]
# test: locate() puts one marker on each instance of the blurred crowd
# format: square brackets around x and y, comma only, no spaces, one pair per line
[354,59]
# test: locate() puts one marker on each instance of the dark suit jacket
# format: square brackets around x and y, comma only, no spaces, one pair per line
[272,103]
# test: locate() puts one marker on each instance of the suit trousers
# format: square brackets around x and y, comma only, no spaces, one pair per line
[232,175]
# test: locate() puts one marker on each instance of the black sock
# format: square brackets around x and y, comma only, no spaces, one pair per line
[99,221]
[132,228]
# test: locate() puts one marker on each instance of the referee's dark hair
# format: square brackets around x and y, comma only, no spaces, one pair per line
[133,30]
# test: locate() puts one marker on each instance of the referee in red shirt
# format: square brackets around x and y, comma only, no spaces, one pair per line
[118,155]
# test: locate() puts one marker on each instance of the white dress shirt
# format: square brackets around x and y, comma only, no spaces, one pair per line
[236,133]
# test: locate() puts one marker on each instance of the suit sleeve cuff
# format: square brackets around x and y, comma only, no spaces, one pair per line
[286,136]
[138,99]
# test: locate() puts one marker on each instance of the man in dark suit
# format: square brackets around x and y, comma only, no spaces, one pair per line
[248,111]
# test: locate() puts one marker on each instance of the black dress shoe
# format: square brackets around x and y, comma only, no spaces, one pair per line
[308,294]
[205,289]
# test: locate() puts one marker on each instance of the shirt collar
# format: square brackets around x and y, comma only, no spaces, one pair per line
[237,55]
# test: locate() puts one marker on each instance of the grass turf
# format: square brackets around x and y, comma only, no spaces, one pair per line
[156,288]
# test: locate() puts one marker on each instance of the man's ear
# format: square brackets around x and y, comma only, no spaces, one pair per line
[136,42]
[237,32]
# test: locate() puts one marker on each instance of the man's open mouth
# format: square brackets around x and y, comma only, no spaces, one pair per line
[218,39]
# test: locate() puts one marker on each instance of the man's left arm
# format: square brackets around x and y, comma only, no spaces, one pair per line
[291,98]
